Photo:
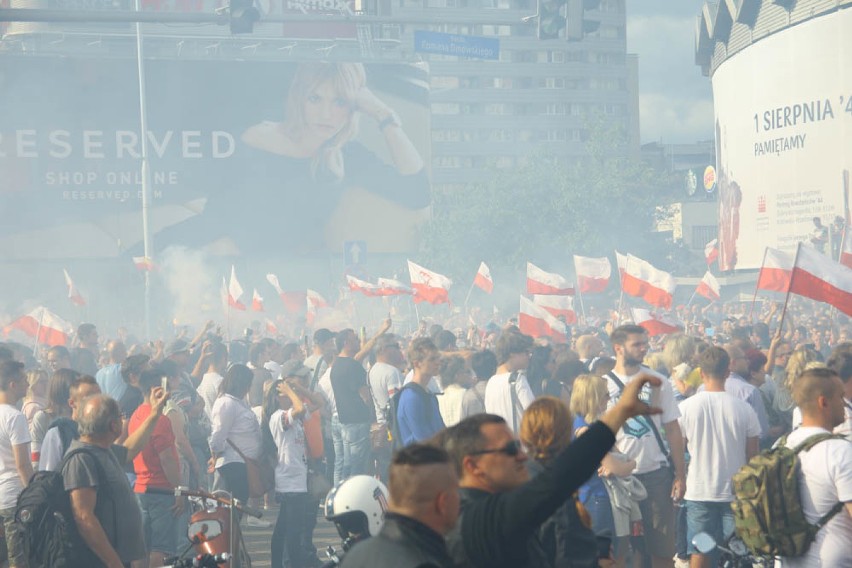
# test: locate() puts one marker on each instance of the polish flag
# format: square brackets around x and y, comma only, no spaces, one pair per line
[541,282]
[256,301]
[483,278]
[846,252]
[364,287]
[391,287]
[592,274]
[655,325]
[709,287]
[235,291]
[559,306]
[538,322]
[711,251]
[73,294]
[144,264]
[429,286]
[46,327]
[818,277]
[621,262]
[775,272]
[294,302]
[643,280]
[315,300]
[271,328]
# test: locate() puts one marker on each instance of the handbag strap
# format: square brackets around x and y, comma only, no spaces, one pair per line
[236,449]
[648,420]
[513,378]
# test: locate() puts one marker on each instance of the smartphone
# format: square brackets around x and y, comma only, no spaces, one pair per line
[164,382]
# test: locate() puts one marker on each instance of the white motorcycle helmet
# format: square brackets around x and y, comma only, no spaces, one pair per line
[357,507]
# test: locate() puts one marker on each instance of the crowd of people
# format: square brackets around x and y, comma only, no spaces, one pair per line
[498,449]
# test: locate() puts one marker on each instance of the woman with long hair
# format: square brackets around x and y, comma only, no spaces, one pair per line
[58,394]
[545,431]
[235,432]
[36,398]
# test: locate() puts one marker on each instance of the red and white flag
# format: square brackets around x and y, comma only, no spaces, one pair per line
[776,270]
[711,251]
[709,287]
[559,306]
[541,282]
[315,299]
[642,280]
[621,262]
[846,251]
[818,277]
[536,321]
[429,286]
[364,287]
[46,327]
[655,324]
[483,278]
[271,328]
[73,294]
[235,291]
[144,264]
[592,274]
[256,301]
[392,287]
[294,302]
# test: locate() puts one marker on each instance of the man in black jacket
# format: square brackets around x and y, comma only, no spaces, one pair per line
[424,505]
[501,508]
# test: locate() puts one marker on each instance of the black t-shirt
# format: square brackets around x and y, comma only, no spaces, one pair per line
[130,401]
[347,378]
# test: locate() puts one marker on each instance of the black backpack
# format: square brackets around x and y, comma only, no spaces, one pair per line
[45,523]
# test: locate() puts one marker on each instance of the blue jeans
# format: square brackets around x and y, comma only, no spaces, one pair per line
[356,449]
[337,442]
[716,519]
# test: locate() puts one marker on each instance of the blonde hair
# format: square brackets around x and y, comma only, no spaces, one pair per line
[587,396]
[546,427]
[678,349]
[800,360]
[346,79]
[33,377]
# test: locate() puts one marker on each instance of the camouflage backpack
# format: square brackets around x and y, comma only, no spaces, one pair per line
[767,506]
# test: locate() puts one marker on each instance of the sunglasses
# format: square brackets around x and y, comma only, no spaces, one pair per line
[511,449]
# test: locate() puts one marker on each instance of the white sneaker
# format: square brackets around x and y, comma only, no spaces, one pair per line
[257,523]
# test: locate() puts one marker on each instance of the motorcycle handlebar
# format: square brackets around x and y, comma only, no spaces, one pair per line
[186,492]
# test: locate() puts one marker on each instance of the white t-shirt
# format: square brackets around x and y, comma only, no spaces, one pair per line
[208,390]
[636,439]
[498,398]
[844,429]
[434,385]
[717,427]
[291,472]
[324,387]
[234,420]
[13,432]
[384,381]
[51,451]
[826,479]
[450,404]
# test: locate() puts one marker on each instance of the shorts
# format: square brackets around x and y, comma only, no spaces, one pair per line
[159,523]
[658,518]
[715,519]
[600,511]
[11,547]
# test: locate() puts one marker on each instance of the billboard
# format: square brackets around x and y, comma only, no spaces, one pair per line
[247,158]
[783,138]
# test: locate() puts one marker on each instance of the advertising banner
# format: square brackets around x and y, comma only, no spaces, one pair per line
[247,158]
[784,140]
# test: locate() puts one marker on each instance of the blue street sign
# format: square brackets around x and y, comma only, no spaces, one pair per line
[354,252]
[474,47]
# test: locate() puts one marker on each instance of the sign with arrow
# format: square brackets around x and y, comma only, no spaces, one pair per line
[354,253]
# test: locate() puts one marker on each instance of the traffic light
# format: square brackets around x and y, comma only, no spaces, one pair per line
[243,16]
[550,18]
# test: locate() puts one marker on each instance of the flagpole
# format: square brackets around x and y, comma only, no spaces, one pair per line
[756,284]
[146,170]
[689,303]
[38,332]
[469,292]
[789,288]
[582,306]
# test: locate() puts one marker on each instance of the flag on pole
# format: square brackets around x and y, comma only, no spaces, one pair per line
[43,325]
[655,324]
[541,282]
[559,306]
[483,278]
[294,302]
[846,252]
[73,294]
[315,300]
[642,280]
[709,287]
[592,274]
[235,291]
[621,261]
[711,251]
[368,289]
[536,321]
[776,270]
[429,286]
[256,301]
[144,264]
[392,287]
[818,277]
[271,328]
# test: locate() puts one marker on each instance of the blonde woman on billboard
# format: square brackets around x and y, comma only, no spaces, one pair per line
[318,154]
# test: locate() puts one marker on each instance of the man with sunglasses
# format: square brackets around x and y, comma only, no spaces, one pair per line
[501,508]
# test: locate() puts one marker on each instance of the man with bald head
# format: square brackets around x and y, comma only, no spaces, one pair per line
[109,378]
[424,505]
[737,386]
[104,507]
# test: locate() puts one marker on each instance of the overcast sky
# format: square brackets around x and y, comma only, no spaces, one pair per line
[675,99]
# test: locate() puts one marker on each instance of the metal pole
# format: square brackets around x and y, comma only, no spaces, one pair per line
[146,169]
[789,289]
[756,284]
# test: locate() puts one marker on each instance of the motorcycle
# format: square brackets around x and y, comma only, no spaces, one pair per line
[733,554]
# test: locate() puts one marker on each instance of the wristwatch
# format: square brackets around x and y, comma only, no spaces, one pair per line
[391,119]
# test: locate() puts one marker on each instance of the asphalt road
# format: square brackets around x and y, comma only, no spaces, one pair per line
[258,539]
